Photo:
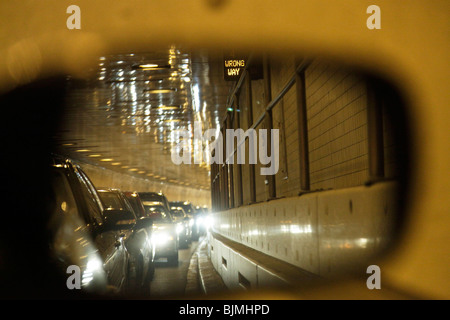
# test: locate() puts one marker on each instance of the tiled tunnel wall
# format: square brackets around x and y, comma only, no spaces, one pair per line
[340,222]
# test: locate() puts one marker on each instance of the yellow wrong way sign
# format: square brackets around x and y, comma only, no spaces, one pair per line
[233,68]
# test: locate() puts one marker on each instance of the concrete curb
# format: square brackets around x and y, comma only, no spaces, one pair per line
[192,282]
[202,278]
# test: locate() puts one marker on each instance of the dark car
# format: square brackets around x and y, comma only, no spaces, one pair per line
[84,236]
[165,236]
[137,242]
[136,203]
[193,215]
[155,196]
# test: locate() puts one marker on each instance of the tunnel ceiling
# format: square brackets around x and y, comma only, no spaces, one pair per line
[123,116]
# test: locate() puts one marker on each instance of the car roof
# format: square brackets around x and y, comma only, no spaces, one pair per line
[113,190]
[152,194]
[181,202]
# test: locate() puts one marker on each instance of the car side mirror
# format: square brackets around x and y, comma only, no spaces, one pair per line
[144,222]
[119,219]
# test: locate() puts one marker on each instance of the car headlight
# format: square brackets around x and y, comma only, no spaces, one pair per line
[179,228]
[208,222]
[161,238]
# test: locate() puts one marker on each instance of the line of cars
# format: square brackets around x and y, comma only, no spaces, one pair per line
[114,236]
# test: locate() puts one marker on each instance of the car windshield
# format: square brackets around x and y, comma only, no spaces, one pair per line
[155,197]
[152,209]
[111,200]
[178,213]
[136,205]
[187,207]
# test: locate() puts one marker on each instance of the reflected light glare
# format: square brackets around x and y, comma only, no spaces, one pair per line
[172,120]
[156,91]
[196,100]
[93,266]
[163,107]
[362,242]
[149,65]
[296,229]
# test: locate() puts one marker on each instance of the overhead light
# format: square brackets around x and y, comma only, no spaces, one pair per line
[94,155]
[155,91]
[151,66]
[107,160]
[116,163]
[133,169]
[172,120]
[82,150]
[168,107]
